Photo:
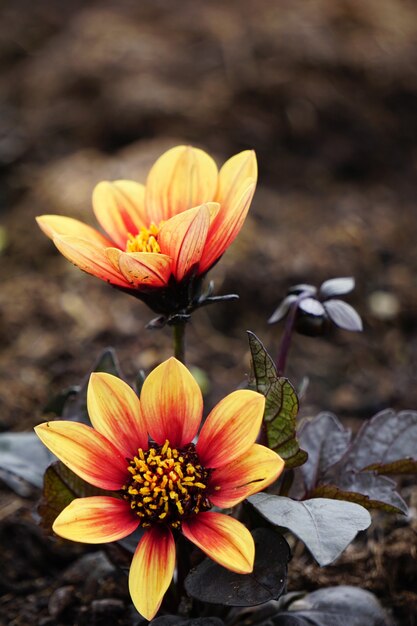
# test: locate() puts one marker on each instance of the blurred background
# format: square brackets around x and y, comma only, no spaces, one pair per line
[324,91]
[326,94]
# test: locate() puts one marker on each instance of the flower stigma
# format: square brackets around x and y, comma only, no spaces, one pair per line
[145,241]
[166,485]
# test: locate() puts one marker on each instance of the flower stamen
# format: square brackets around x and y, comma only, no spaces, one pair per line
[145,241]
[166,485]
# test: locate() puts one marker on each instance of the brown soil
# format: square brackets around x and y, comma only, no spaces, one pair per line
[326,93]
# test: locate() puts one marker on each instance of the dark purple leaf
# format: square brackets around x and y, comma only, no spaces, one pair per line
[334,606]
[337,287]
[387,443]
[210,582]
[326,440]
[343,315]
[365,488]
[326,526]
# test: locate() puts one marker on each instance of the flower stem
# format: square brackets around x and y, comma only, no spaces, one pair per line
[179,342]
[285,344]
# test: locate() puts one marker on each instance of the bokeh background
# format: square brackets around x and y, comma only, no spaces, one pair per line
[324,91]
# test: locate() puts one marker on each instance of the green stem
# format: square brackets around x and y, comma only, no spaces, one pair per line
[179,342]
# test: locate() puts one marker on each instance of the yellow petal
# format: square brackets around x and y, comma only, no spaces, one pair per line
[53,225]
[85,452]
[172,404]
[99,519]
[181,178]
[231,428]
[183,237]
[119,207]
[90,258]
[223,539]
[152,570]
[246,475]
[114,411]
[145,269]
[226,226]
[233,176]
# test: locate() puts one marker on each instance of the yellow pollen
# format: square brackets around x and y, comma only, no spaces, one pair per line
[145,241]
[166,485]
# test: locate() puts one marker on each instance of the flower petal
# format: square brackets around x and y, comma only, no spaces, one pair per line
[183,237]
[181,178]
[53,225]
[114,410]
[226,226]
[119,207]
[231,428]
[233,176]
[85,452]
[145,269]
[152,570]
[246,475]
[172,404]
[90,258]
[98,519]
[223,539]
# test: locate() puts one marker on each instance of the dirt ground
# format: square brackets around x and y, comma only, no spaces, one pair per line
[326,93]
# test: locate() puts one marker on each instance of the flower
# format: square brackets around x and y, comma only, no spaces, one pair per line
[162,234]
[164,483]
[314,308]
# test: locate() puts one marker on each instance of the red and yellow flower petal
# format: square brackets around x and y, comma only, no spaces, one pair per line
[231,428]
[182,178]
[152,570]
[248,474]
[90,258]
[98,519]
[226,226]
[233,177]
[119,207]
[223,539]
[172,404]
[53,225]
[183,237]
[144,269]
[114,411]
[85,452]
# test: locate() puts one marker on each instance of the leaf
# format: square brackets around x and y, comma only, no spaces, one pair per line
[343,315]
[387,443]
[210,582]
[173,620]
[61,486]
[325,526]
[76,406]
[337,287]
[334,606]
[281,406]
[365,488]
[23,457]
[337,467]
[326,440]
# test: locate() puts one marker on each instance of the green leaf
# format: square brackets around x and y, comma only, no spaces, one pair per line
[60,487]
[281,406]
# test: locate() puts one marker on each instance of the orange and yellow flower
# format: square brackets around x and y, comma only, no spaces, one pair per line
[164,483]
[178,225]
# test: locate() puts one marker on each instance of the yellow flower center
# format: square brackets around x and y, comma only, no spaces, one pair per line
[166,485]
[145,241]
